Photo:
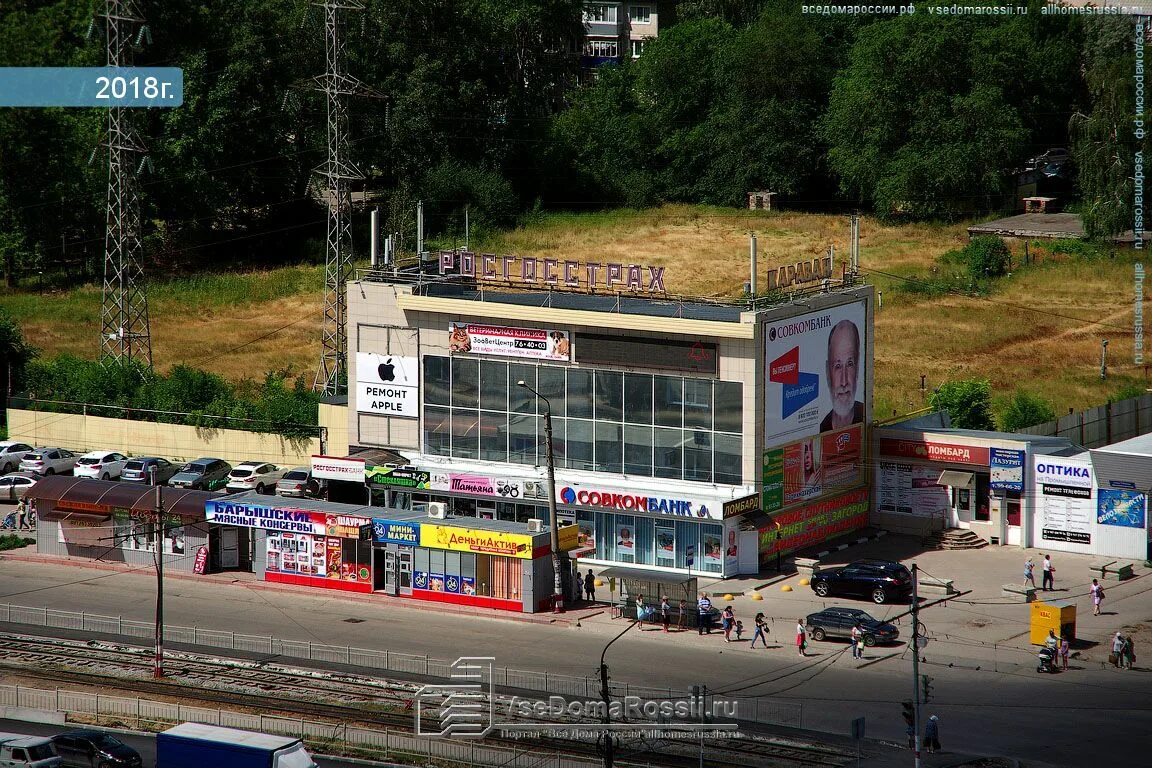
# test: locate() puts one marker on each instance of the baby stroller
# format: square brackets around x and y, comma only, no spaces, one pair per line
[9,523]
[1046,660]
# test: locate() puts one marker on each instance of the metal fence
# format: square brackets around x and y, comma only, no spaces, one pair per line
[750,708]
[398,746]
[1101,425]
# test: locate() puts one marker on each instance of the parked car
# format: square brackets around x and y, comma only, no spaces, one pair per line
[298,483]
[13,486]
[253,475]
[11,453]
[1056,155]
[101,465]
[206,474]
[838,622]
[140,470]
[94,749]
[48,461]
[22,751]
[880,580]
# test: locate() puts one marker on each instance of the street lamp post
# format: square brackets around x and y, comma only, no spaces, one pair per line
[606,695]
[554,535]
[158,665]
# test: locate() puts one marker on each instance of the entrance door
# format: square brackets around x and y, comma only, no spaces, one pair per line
[404,580]
[390,580]
[229,548]
[963,507]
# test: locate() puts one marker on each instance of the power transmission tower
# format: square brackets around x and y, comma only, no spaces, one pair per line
[124,332]
[338,174]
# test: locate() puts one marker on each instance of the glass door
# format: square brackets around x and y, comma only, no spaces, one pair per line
[404,581]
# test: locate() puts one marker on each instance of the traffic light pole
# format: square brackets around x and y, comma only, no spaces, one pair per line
[916,732]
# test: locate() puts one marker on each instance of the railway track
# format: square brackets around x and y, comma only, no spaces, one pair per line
[355,699]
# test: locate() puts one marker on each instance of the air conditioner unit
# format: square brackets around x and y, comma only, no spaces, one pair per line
[535,525]
[437,510]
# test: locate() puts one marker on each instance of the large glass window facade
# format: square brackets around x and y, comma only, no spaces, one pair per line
[652,541]
[603,421]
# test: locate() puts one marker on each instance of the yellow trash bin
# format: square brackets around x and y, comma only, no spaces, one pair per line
[1056,615]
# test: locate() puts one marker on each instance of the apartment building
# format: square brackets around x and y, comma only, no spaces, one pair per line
[615,31]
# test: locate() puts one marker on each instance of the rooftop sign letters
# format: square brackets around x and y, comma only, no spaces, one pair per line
[553,272]
[801,272]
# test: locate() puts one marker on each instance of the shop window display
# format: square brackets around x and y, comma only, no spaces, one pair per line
[137,531]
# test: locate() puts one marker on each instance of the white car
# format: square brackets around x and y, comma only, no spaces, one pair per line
[14,486]
[101,465]
[48,461]
[11,454]
[254,475]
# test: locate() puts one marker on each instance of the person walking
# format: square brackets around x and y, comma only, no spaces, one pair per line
[704,611]
[761,631]
[1097,595]
[1028,577]
[590,586]
[801,637]
[1116,657]
[1046,573]
[1064,649]
[21,514]
[1128,653]
[932,734]
[857,642]
[665,612]
[727,621]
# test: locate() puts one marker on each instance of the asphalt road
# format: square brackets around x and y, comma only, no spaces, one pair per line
[144,744]
[1072,718]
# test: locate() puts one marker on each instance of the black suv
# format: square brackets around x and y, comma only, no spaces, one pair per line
[880,580]
[94,749]
[838,622]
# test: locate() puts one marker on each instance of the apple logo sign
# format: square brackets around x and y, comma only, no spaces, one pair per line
[387,370]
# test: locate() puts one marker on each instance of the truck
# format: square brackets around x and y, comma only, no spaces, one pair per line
[23,751]
[195,745]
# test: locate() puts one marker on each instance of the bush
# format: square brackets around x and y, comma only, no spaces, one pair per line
[986,257]
[968,403]
[13,541]
[1024,409]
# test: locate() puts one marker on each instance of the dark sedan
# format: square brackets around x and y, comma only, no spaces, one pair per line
[95,749]
[879,580]
[838,622]
[140,470]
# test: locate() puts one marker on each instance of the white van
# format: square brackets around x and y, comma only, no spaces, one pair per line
[21,751]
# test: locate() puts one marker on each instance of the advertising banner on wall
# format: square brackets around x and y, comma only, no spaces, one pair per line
[389,532]
[911,489]
[333,468]
[1065,507]
[929,450]
[500,341]
[665,545]
[1006,470]
[815,373]
[814,523]
[270,517]
[468,540]
[388,385]
[813,467]
[1120,508]
[398,477]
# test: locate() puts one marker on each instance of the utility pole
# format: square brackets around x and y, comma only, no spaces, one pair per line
[1103,359]
[466,226]
[124,329]
[420,230]
[554,533]
[752,265]
[916,665]
[158,667]
[336,174]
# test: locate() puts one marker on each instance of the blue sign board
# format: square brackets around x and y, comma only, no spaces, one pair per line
[1121,508]
[389,532]
[1007,470]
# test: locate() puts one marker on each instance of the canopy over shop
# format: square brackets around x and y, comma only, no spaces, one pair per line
[115,521]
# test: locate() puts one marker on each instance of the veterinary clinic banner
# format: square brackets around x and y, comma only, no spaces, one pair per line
[534,343]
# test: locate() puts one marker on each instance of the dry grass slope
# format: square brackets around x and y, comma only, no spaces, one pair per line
[1040,330]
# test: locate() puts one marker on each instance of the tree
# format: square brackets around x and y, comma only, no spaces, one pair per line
[967,402]
[932,112]
[15,353]
[1103,144]
[1025,409]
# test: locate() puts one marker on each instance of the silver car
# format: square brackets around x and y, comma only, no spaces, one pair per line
[11,453]
[48,461]
[13,486]
[299,483]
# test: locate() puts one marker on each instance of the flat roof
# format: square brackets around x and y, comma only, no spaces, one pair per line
[387,513]
[223,735]
[1141,445]
[649,306]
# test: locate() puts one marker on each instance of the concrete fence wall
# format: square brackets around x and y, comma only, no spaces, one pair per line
[79,432]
